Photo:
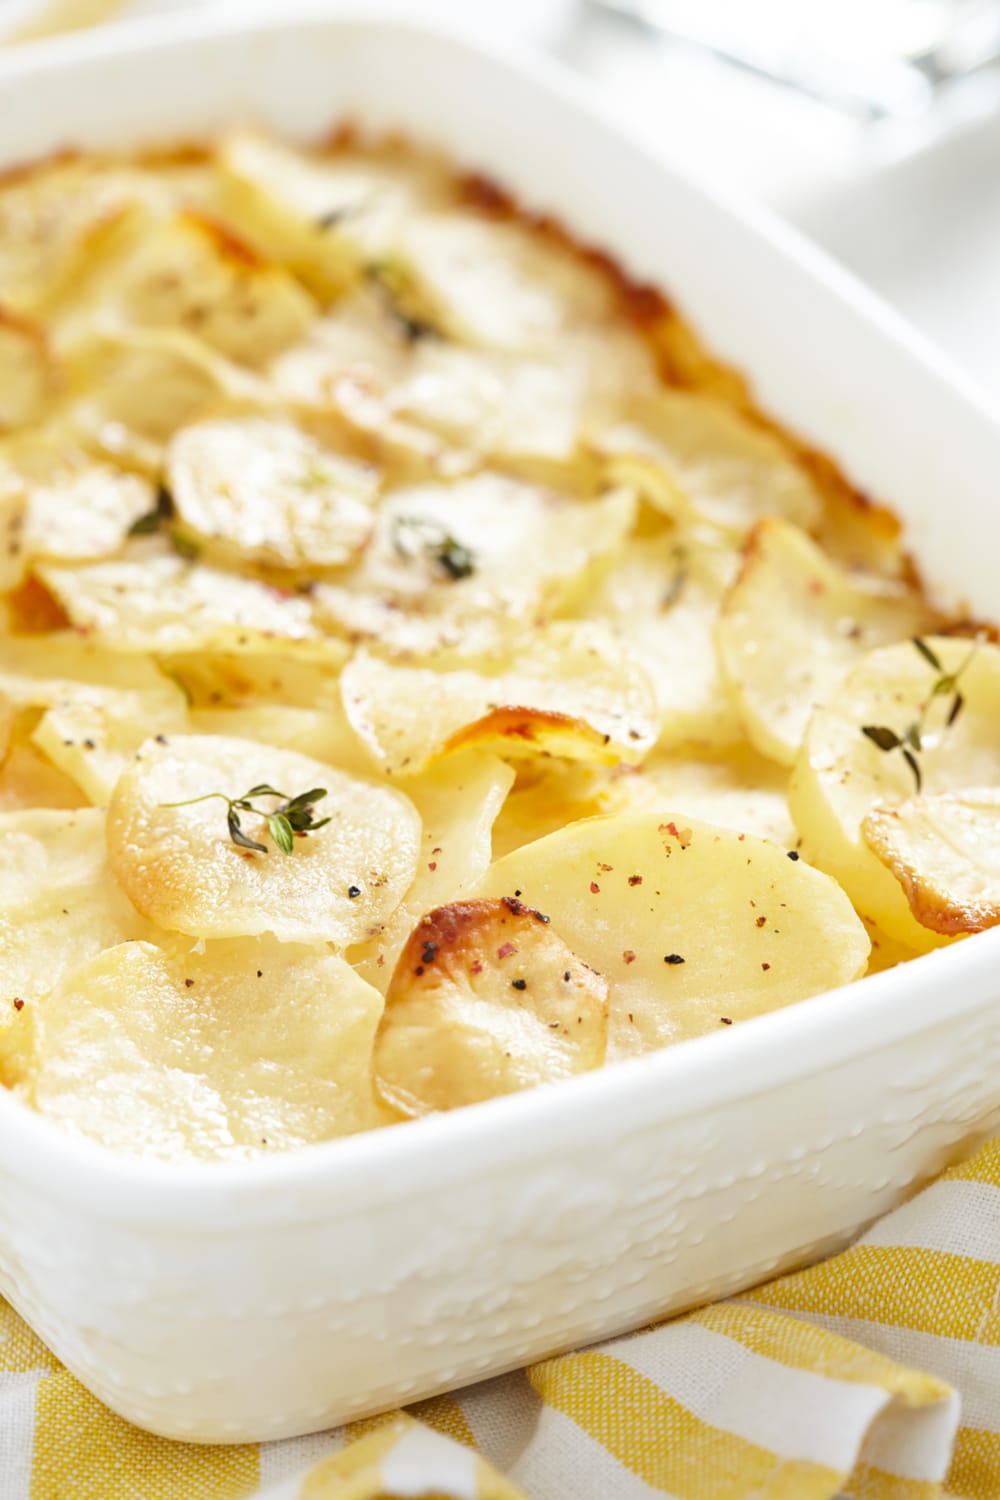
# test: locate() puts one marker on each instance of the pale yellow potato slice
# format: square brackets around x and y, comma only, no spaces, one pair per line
[496,283]
[322,733]
[692,925]
[152,599]
[28,779]
[740,789]
[260,490]
[249,1047]
[663,598]
[841,775]
[325,213]
[27,373]
[486,999]
[454,570]
[8,717]
[226,679]
[98,706]
[699,460]
[192,274]
[458,803]
[579,694]
[75,507]
[791,626]
[53,220]
[945,852]
[340,884]
[59,903]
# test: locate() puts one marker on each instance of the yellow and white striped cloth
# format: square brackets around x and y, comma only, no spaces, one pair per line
[875,1374]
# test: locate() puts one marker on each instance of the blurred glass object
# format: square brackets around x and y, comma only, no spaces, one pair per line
[874,58]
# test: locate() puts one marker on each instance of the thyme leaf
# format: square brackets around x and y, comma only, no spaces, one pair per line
[910,741]
[154,520]
[293,815]
[411,534]
[395,286]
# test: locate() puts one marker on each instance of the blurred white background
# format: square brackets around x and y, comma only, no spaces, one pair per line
[883,140]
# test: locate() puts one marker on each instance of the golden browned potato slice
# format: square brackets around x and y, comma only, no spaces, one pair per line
[486,999]
[182,868]
[692,925]
[454,570]
[945,852]
[260,490]
[792,625]
[152,599]
[854,760]
[662,596]
[59,903]
[699,460]
[246,1048]
[578,693]
[458,803]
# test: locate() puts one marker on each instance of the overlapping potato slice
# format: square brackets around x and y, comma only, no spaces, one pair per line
[458,804]
[578,693]
[791,626]
[457,569]
[325,213]
[189,273]
[131,393]
[59,903]
[248,1047]
[841,775]
[27,372]
[945,852]
[153,599]
[74,506]
[737,789]
[497,283]
[340,884]
[53,219]
[28,779]
[688,922]
[486,999]
[322,733]
[699,460]
[663,598]
[233,679]
[260,490]
[98,706]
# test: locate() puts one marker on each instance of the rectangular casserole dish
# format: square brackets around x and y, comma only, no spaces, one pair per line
[261,1300]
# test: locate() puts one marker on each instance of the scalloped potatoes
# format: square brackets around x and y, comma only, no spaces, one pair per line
[423,675]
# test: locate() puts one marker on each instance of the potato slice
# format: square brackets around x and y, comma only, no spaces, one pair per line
[456,569]
[791,626]
[74,506]
[663,598]
[580,695]
[27,372]
[458,804]
[59,903]
[179,865]
[247,1048]
[945,852]
[325,213]
[486,999]
[841,775]
[323,734]
[689,923]
[152,599]
[99,707]
[28,779]
[191,273]
[699,460]
[260,490]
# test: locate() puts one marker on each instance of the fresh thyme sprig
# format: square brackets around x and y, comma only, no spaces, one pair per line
[293,815]
[451,555]
[910,743]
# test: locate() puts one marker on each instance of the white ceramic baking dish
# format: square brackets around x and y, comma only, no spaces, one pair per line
[259,1300]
